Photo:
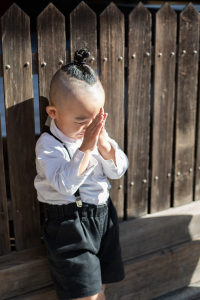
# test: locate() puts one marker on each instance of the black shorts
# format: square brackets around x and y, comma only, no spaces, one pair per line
[83,248]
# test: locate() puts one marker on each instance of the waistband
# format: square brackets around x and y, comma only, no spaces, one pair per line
[60,211]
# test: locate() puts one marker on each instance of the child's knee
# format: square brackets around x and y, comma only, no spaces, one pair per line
[99,296]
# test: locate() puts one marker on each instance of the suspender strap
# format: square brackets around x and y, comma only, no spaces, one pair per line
[77,193]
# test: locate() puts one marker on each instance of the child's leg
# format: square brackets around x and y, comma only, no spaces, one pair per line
[99,296]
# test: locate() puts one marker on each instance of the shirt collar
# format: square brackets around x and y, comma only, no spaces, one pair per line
[59,134]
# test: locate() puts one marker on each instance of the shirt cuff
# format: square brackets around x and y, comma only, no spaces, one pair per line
[109,164]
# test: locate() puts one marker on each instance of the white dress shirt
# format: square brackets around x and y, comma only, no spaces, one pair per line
[57,176]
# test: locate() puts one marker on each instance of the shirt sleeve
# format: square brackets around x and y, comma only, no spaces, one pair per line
[109,168]
[62,174]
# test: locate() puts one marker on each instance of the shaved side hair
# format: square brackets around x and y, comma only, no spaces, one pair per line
[69,78]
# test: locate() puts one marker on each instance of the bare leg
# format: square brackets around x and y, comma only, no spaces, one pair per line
[99,296]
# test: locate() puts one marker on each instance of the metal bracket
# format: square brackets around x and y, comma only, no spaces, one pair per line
[78,201]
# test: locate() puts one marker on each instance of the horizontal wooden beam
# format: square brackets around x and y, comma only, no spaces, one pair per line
[24,271]
[47,293]
[35,59]
[159,230]
[158,273]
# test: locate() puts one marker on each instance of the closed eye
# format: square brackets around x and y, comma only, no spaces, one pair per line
[81,123]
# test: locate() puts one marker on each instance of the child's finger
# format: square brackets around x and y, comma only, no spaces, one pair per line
[95,121]
[97,129]
[96,124]
[105,116]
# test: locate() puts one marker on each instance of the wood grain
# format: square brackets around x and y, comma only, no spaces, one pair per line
[83,33]
[163,108]
[186,105]
[155,274]
[138,110]
[197,139]
[51,50]
[35,59]
[159,230]
[41,294]
[24,271]
[20,126]
[4,226]
[112,41]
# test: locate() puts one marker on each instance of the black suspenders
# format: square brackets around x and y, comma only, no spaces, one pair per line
[77,193]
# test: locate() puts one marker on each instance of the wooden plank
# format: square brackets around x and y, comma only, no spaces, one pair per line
[138,111]
[186,105]
[189,292]
[197,154]
[20,126]
[83,32]
[159,230]
[15,258]
[112,78]
[163,108]
[51,50]
[23,272]
[160,272]
[4,226]
[41,294]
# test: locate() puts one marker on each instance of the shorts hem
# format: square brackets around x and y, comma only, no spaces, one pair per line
[113,280]
[68,296]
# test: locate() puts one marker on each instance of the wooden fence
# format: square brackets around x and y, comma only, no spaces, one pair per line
[162,141]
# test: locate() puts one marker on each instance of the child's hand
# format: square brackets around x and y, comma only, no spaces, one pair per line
[102,139]
[92,132]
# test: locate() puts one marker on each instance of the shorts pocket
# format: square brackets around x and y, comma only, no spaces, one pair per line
[100,223]
[51,228]
[70,233]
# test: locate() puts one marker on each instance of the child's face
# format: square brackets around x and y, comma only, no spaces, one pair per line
[81,107]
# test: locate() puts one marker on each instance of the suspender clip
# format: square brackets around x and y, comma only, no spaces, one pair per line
[78,201]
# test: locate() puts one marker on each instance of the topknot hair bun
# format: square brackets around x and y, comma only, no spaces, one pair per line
[80,55]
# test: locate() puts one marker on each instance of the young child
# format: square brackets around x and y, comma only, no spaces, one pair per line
[74,157]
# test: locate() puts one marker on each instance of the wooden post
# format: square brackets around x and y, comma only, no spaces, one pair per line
[51,54]
[138,110]
[163,108]
[186,105]
[4,227]
[83,32]
[112,77]
[20,126]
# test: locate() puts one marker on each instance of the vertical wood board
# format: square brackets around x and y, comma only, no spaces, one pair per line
[186,105]
[20,127]
[52,51]
[112,42]
[83,33]
[4,227]
[163,108]
[197,169]
[138,112]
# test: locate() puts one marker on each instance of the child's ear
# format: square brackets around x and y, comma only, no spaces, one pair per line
[51,111]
